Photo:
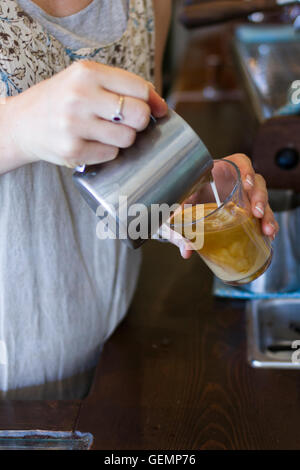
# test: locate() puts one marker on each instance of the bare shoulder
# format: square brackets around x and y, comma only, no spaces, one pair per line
[162,10]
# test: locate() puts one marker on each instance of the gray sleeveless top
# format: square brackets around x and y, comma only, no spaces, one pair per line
[100,23]
[62,291]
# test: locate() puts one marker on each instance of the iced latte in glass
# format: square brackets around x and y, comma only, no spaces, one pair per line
[233,245]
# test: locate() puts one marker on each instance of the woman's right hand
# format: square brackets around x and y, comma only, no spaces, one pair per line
[66,120]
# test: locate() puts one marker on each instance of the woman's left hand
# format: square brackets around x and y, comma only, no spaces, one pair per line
[255,186]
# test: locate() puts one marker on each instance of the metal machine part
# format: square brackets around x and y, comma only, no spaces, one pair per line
[273,333]
[266,56]
[267,59]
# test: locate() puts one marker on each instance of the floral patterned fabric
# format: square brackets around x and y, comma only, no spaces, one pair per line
[62,291]
[28,54]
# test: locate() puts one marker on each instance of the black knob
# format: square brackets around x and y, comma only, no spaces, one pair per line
[287,158]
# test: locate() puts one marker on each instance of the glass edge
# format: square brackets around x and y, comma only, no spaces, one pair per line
[237,184]
[84,438]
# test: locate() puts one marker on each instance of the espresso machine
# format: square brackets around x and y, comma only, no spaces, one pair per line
[266,56]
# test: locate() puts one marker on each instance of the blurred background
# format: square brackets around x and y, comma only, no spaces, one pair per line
[202,76]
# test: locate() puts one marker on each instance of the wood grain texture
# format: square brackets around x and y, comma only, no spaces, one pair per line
[175,376]
[44,415]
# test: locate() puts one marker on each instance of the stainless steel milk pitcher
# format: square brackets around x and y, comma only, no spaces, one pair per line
[164,164]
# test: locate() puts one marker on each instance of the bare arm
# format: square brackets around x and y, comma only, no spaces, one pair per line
[10,155]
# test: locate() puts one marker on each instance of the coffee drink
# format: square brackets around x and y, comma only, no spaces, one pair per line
[233,245]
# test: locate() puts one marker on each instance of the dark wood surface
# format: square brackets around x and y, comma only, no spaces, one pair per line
[44,415]
[175,374]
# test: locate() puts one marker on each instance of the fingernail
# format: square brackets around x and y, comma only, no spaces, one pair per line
[249,180]
[182,250]
[152,85]
[270,229]
[260,208]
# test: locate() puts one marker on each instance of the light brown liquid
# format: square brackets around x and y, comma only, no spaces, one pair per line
[234,247]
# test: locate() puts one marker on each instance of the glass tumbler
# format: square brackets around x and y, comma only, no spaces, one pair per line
[219,224]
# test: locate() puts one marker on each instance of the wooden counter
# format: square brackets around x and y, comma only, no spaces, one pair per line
[174,375]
